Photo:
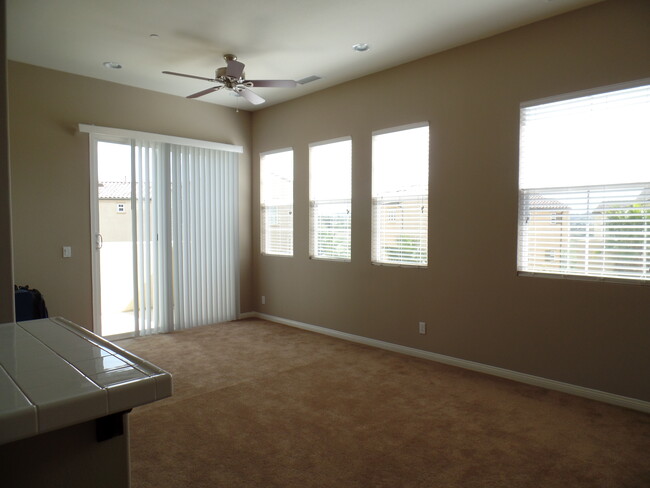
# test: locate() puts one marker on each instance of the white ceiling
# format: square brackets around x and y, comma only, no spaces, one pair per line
[276,39]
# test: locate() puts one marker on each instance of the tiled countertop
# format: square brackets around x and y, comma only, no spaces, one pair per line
[54,374]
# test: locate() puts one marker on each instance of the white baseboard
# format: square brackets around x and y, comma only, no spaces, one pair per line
[248,315]
[580,391]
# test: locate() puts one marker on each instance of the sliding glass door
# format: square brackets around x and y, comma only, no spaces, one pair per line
[114,238]
[167,258]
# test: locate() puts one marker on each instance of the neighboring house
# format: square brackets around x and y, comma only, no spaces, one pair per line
[115,226]
[605,240]
[115,211]
[548,232]
[402,221]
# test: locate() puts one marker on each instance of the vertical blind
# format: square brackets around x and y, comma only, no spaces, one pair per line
[400,196]
[584,187]
[185,236]
[151,237]
[276,202]
[330,198]
[204,195]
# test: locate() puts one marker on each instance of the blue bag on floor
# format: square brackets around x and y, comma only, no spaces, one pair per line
[30,304]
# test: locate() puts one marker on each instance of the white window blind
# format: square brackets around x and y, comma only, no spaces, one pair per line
[330,194]
[276,201]
[584,204]
[400,196]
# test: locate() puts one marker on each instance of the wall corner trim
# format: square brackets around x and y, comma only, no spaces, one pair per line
[601,396]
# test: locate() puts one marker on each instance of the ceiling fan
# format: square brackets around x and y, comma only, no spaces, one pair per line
[232,78]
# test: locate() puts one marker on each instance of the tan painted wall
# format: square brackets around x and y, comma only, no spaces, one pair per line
[6,258]
[50,172]
[591,334]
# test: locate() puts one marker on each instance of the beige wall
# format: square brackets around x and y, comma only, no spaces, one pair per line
[50,172]
[6,259]
[114,226]
[591,334]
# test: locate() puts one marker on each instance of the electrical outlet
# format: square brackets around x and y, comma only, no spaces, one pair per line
[263,300]
[67,251]
[423,327]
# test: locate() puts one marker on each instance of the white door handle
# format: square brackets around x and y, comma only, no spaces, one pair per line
[99,241]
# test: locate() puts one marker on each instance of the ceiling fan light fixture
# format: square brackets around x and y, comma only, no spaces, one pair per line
[361,47]
[112,65]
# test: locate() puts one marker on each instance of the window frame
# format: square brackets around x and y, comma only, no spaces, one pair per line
[264,207]
[313,203]
[564,220]
[378,253]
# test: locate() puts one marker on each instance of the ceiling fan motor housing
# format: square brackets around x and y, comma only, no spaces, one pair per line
[220,74]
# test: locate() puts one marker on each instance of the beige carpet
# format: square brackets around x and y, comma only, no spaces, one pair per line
[258,404]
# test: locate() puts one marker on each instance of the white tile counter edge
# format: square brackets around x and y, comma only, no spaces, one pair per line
[26,414]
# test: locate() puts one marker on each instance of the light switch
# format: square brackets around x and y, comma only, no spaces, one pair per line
[67,251]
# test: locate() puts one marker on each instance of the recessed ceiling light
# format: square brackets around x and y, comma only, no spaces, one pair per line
[361,47]
[154,36]
[112,65]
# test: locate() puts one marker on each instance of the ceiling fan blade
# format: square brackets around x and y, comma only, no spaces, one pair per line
[188,76]
[235,68]
[273,83]
[252,97]
[205,92]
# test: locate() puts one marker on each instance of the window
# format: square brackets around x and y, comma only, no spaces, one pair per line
[276,200]
[400,195]
[330,190]
[584,185]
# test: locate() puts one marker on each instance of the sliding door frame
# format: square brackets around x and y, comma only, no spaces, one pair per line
[94,140]
[127,137]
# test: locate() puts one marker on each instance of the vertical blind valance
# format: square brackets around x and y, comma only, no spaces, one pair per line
[151,137]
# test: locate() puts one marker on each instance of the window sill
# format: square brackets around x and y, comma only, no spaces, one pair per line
[605,279]
[397,265]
